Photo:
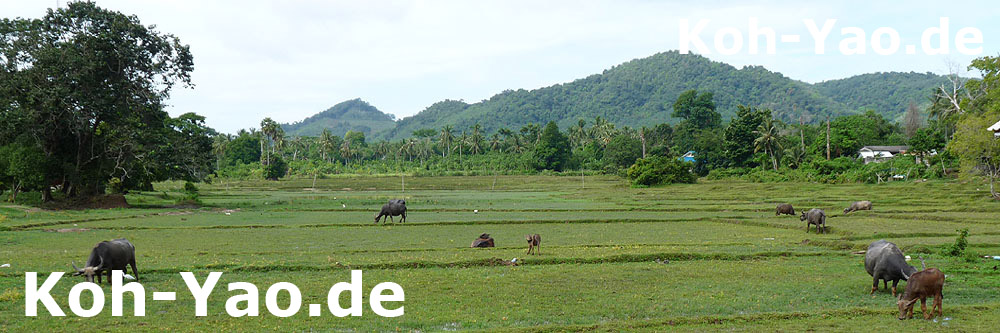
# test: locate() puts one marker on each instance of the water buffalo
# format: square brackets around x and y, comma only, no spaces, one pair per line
[533,243]
[884,261]
[784,209]
[922,284]
[858,205]
[395,207]
[484,240]
[108,256]
[814,216]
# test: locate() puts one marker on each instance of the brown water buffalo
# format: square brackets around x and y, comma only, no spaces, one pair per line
[784,208]
[858,205]
[922,284]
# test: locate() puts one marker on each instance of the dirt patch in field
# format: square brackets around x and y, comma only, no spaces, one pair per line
[67,230]
[186,212]
[106,201]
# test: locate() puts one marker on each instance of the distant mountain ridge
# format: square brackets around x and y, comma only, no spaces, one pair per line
[641,92]
[352,115]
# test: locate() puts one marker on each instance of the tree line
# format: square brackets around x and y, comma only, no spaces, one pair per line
[82,92]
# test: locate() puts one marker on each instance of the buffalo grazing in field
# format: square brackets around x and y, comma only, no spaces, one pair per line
[484,240]
[395,207]
[784,209]
[858,205]
[533,243]
[814,216]
[884,261]
[108,256]
[922,284]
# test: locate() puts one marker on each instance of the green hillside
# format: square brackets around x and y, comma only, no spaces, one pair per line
[887,93]
[641,92]
[352,115]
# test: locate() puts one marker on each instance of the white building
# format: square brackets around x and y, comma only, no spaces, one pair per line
[995,129]
[880,153]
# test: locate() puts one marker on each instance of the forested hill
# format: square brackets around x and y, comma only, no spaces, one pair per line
[641,92]
[353,115]
[887,93]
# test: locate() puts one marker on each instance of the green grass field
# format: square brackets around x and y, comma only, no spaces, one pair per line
[704,257]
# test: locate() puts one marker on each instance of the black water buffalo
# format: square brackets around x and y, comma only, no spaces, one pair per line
[395,207]
[484,240]
[108,256]
[858,205]
[815,216]
[784,209]
[884,261]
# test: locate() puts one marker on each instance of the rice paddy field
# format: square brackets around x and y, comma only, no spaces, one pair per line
[710,256]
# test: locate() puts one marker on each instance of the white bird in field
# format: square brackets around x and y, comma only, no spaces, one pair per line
[476,211]
[343,205]
[228,213]
[4,265]
[129,277]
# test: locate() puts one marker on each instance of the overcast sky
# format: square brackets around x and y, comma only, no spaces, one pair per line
[291,59]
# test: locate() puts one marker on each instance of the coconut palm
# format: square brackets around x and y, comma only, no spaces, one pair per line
[767,140]
[447,136]
[476,140]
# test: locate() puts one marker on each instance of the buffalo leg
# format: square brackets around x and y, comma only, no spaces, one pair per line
[537,248]
[874,286]
[939,303]
[134,271]
[404,218]
[894,282]
[923,308]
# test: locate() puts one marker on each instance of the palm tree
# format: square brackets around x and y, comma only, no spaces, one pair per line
[578,134]
[495,142]
[767,139]
[219,146]
[382,148]
[327,143]
[447,136]
[476,141]
[347,151]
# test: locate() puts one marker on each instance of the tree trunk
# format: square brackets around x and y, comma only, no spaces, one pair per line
[47,194]
[827,138]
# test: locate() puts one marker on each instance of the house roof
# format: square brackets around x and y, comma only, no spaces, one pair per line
[995,127]
[891,149]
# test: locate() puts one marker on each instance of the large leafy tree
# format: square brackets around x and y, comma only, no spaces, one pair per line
[86,86]
[977,149]
[739,135]
[697,110]
[553,150]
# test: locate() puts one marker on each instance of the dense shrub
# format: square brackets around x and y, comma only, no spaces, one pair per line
[659,170]
[276,169]
[190,188]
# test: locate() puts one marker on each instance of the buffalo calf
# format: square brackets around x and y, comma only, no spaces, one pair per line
[922,284]
[533,243]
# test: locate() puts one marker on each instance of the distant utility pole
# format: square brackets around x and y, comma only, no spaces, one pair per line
[827,137]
